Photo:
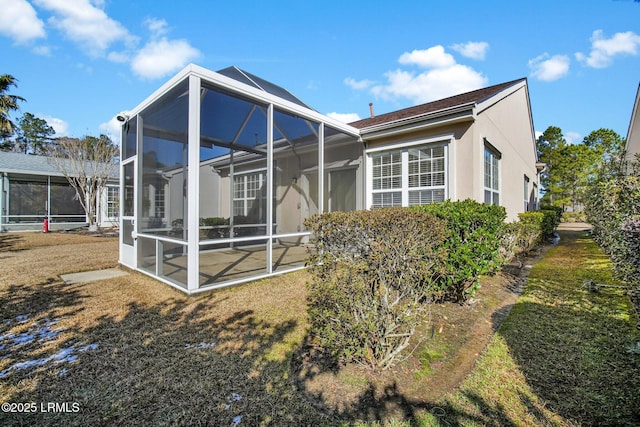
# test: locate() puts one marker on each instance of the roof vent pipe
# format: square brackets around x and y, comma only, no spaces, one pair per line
[371,110]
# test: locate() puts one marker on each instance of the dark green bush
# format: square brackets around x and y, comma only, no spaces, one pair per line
[472,244]
[557,210]
[631,238]
[550,221]
[373,275]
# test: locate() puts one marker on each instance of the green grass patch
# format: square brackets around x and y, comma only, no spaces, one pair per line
[562,356]
[427,357]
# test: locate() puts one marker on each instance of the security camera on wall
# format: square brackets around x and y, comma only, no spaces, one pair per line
[122,117]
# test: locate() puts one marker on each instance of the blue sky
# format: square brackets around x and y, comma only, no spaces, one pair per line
[81,62]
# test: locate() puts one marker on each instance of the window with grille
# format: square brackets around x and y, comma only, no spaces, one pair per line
[249,195]
[159,202]
[491,175]
[113,195]
[408,177]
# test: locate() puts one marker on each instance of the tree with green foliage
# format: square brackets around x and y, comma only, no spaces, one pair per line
[608,149]
[572,167]
[8,103]
[34,135]
[549,146]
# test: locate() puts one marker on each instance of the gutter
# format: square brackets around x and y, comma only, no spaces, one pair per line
[462,113]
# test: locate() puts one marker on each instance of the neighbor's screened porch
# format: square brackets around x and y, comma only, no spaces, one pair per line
[226,176]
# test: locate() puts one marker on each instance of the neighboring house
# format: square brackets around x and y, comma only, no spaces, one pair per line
[32,190]
[266,162]
[633,134]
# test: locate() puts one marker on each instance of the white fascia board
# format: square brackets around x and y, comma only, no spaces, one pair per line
[632,123]
[166,87]
[248,91]
[458,114]
[31,172]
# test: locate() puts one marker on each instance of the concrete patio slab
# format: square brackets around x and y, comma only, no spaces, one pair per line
[92,276]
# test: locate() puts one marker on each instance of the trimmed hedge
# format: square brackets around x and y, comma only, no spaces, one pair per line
[373,274]
[610,206]
[473,244]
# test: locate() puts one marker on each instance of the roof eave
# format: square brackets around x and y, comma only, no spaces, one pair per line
[458,114]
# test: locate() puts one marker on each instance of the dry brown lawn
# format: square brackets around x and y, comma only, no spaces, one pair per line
[133,351]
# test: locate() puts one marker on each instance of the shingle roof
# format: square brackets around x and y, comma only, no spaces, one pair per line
[467,98]
[30,164]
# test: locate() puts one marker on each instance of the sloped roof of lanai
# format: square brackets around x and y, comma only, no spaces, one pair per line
[464,99]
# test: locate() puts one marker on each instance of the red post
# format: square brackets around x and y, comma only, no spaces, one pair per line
[45,226]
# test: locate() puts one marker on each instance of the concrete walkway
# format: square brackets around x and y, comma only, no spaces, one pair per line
[574,226]
[92,276]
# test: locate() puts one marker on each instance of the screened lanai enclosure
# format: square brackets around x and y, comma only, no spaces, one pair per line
[219,172]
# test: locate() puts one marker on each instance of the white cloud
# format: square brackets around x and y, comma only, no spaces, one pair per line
[572,138]
[112,129]
[473,50]
[430,85]
[442,77]
[20,22]
[60,126]
[158,27]
[86,24]
[549,68]
[434,57]
[604,49]
[344,117]
[161,57]
[358,84]
[42,50]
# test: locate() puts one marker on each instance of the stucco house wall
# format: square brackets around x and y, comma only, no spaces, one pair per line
[633,134]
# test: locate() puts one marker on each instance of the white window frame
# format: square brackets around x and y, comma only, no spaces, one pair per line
[262,174]
[113,202]
[493,189]
[403,148]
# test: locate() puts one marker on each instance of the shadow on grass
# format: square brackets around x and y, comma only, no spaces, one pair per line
[8,241]
[163,364]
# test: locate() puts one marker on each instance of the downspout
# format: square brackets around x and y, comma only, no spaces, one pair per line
[48,206]
[2,201]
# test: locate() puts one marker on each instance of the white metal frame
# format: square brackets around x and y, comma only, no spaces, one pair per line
[196,76]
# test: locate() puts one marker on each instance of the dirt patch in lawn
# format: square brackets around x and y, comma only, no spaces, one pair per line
[444,352]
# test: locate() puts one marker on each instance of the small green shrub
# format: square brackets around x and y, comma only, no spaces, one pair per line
[472,244]
[580,216]
[213,221]
[518,237]
[373,274]
[557,211]
[534,222]
[550,221]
